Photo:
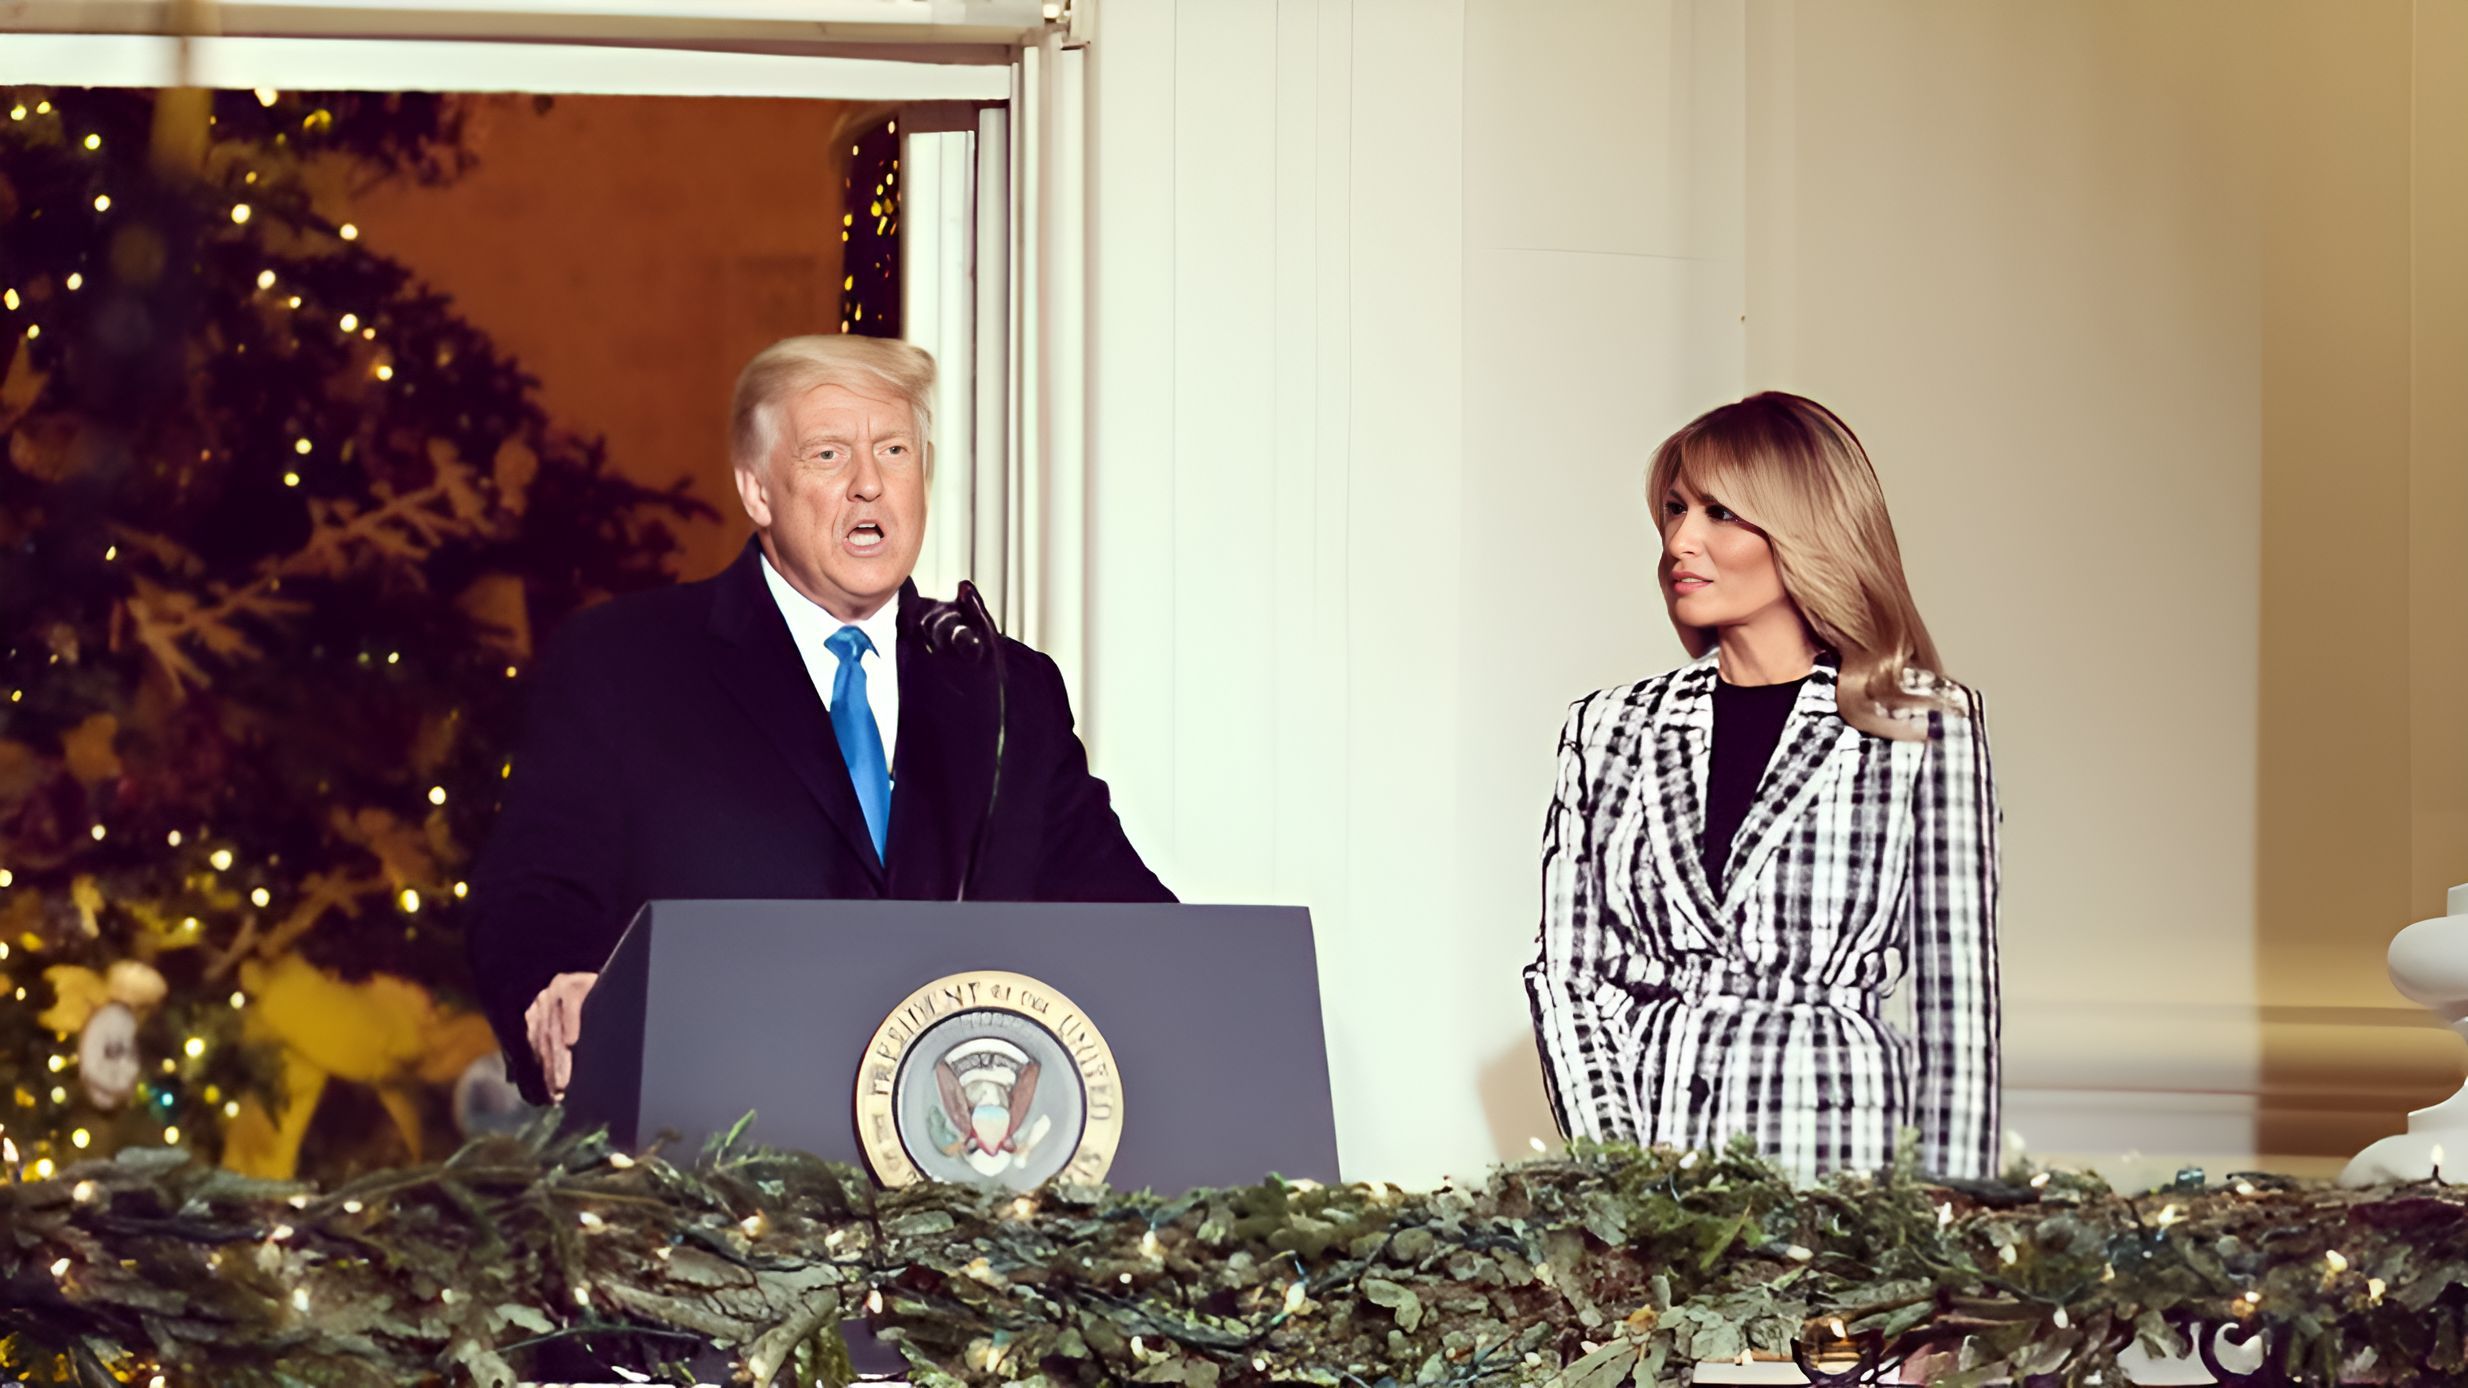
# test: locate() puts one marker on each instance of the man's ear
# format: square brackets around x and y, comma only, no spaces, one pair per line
[754,493]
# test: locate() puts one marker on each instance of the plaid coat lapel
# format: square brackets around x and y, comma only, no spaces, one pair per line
[1683,743]
[1814,738]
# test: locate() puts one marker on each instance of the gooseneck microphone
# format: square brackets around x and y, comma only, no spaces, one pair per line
[964,630]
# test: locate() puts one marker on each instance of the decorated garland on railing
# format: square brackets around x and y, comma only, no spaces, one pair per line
[1600,1267]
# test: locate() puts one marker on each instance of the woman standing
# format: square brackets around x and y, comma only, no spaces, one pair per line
[1746,856]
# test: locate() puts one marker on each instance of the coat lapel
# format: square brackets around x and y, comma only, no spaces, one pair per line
[1683,733]
[756,660]
[1813,737]
[945,765]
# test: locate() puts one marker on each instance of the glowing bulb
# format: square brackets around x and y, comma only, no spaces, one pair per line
[2253,1298]
[94,142]
[509,675]
[171,1136]
[299,1299]
[2040,1181]
[240,213]
[301,447]
[98,831]
[102,202]
[265,279]
[1537,1144]
[59,1095]
[17,112]
[261,898]
[9,297]
[2374,1288]
[2170,1215]
[58,1064]
[348,232]
[461,890]
[81,1139]
[394,657]
[2337,1260]
[34,330]
[754,1225]
[172,838]
[590,1221]
[60,1268]
[83,1192]
[6,877]
[874,1303]
[294,301]
[42,1170]
[1149,1246]
[1294,1297]
[351,322]
[437,795]
[384,372]
[194,1047]
[291,479]
[621,1161]
[409,901]
[75,281]
[191,924]
[1945,1214]
[266,96]
[231,1109]
[110,552]
[221,858]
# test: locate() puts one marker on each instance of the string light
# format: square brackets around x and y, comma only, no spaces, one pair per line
[42,108]
[240,213]
[94,142]
[102,202]
[33,330]
[82,1192]
[351,322]
[266,96]
[171,1136]
[110,552]
[301,447]
[409,901]
[590,1221]
[60,1268]
[384,372]
[621,1161]
[9,297]
[17,112]
[98,831]
[2040,1181]
[754,1225]
[81,1139]
[294,301]
[461,890]
[42,1168]
[437,795]
[2336,1261]
[291,479]
[348,232]
[265,279]
[221,858]
[194,1047]
[6,877]
[261,898]
[75,281]
[394,657]
[2374,1288]
[172,838]
[231,1108]
[299,1299]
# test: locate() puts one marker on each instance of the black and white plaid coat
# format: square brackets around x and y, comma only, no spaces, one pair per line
[1668,1014]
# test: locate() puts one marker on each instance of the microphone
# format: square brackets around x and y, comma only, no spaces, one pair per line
[964,630]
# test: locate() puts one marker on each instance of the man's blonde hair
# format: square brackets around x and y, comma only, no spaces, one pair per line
[1790,467]
[794,365]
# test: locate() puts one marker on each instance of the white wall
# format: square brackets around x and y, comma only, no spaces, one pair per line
[1394,299]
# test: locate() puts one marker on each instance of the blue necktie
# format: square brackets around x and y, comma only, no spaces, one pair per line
[861,742]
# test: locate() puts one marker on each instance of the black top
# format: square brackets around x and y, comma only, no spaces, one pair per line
[1748,721]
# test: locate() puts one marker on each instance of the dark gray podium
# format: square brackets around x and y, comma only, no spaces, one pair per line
[710,1009]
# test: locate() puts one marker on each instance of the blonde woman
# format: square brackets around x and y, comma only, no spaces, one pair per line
[1747,856]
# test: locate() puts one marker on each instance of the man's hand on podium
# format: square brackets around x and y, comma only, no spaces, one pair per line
[555,1021]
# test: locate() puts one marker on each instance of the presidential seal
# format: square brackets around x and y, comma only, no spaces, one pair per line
[989,1078]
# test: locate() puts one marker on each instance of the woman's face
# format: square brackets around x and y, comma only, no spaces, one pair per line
[1717,569]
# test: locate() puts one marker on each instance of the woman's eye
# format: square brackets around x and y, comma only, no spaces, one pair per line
[1720,513]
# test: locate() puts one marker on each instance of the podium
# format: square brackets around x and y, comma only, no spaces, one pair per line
[1183,1043]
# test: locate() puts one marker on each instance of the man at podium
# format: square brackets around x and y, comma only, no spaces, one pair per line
[787,729]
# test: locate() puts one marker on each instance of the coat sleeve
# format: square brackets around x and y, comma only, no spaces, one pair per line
[1581,950]
[1088,857]
[549,894]
[1950,912]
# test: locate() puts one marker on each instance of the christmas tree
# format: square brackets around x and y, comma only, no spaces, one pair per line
[276,528]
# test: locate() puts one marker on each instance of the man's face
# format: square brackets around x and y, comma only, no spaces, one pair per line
[841,504]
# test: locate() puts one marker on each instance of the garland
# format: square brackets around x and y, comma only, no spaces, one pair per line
[1599,1267]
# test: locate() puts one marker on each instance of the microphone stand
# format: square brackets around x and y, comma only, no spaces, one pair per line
[964,629]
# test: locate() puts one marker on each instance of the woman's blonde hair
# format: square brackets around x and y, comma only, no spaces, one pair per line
[794,365]
[1793,469]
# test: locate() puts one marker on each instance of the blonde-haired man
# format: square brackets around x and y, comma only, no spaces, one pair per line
[780,731]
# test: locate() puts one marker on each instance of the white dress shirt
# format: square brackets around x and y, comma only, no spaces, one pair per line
[812,626]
